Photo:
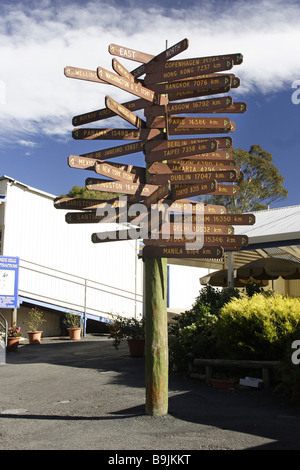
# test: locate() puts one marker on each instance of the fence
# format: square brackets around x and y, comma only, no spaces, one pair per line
[93,299]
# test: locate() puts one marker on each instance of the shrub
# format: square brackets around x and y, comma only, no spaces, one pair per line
[259,327]
[192,332]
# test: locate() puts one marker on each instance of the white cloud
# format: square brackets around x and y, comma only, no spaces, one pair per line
[38,40]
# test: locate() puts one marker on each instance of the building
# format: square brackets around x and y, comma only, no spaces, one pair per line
[62,270]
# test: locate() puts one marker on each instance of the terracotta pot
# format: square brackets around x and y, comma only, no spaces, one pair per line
[74,333]
[12,343]
[34,337]
[136,347]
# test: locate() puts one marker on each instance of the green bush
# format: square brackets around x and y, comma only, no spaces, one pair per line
[192,332]
[258,327]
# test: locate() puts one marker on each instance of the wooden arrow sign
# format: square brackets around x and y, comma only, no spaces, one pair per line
[206,125]
[124,113]
[187,166]
[117,151]
[187,71]
[225,190]
[128,53]
[162,57]
[120,187]
[85,133]
[210,105]
[154,67]
[180,191]
[191,85]
[170,149]
[191,178]
[216,219]
[127,85]
[181,252]
[105,113]
[82,74]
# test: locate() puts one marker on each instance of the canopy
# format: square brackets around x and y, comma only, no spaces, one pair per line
[220,279]
[270,268]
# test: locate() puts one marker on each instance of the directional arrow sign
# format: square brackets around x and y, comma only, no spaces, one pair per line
[181,252]
[85,133]
[162,57]
[77,203]
[125,113]
[184,94]
[160,193]
[191,167]
[208,124]
[153,67]
[170,149]
[131,54]
[225,190]
[75,161]
[178,228]
[120,187]
[127,85]
[180,191]
[187,71]
[190,178]
[112,152]
[82,74]
[209,105]
[194,84]
[121,70]
[217,219]
[105,113]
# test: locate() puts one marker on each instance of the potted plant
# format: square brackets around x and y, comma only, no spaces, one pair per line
[73,324]
[131,330]
[34,322]
[13,338]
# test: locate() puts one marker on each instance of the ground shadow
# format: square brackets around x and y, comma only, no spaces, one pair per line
[253,412]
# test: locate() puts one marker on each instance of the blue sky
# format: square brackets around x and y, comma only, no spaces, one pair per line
[37,102]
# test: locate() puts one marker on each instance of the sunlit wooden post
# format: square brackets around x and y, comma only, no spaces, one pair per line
[156,347]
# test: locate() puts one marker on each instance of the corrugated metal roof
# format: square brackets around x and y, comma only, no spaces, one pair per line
[273,225]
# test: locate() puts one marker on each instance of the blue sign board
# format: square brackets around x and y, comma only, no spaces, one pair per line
[9,281]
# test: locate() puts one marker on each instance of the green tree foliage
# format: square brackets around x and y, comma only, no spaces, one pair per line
[262,184]
[85,193]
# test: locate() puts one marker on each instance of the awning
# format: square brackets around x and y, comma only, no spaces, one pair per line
[220,279]
[270,268]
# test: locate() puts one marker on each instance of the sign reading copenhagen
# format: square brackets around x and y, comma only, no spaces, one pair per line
[195,166]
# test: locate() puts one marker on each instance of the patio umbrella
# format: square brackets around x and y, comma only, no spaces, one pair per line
[220,279]
[270,268]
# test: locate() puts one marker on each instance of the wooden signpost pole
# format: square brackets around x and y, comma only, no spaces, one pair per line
[176,169]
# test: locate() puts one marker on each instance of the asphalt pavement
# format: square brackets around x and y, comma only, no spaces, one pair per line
[85,395]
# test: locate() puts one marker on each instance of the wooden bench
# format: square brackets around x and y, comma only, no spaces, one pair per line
[194,362]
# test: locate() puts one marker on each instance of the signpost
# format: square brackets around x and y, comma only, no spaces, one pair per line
[9,279]
[176,169]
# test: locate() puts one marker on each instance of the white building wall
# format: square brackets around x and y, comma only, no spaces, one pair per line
[184,286]
[59,262]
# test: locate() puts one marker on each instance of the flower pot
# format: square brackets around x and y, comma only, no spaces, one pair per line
[34,337]
[74,333]
[136,347]
[12,343]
